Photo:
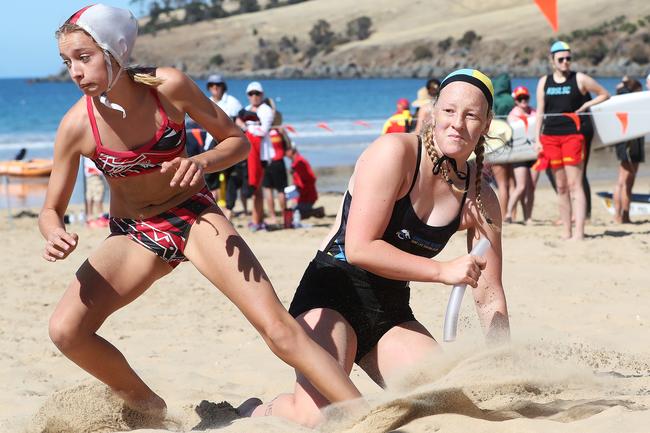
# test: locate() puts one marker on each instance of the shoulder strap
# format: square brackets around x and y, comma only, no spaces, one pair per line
[161,109]
[417,165]
[93,122]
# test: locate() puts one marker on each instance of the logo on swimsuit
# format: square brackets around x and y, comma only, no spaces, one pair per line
[404,234]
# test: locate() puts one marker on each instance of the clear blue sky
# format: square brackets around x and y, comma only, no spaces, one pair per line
[27,34]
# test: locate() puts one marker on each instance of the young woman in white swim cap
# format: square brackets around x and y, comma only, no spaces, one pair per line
[131,123]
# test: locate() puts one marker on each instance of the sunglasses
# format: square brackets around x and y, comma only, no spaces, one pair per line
[254,93]
[564,59]
[523,98]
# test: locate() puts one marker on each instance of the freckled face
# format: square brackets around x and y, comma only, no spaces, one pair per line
[85,62]
[460,117]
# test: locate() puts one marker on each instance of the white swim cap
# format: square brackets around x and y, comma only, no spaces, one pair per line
[115,31]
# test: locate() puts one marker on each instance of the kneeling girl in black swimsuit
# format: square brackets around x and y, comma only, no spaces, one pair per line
[407,197]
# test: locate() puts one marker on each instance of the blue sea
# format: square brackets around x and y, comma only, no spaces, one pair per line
[334,119]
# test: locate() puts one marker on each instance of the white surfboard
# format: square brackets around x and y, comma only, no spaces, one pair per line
[621,118]
[511,142]
[639,203]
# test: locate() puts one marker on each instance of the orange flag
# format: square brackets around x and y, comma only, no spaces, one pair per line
[576,119]
[289,128]
[324,126]
[549,9]
[622,117]
[525,120]
[362,123]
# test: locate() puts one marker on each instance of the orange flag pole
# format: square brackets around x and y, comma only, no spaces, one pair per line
[549,9]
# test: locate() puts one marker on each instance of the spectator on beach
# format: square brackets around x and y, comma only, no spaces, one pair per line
[424,103]
[230,105]
[629,154]
[95,191]
[408,195]
[561,97]
[401,120]
[275,173]
[503,104]
[647,82]
[305,181]
[524,189]
[162,213]
[256,120]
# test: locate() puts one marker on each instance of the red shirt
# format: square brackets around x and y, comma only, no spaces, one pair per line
[304,179]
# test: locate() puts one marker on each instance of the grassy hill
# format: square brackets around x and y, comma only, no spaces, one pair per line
[408,38]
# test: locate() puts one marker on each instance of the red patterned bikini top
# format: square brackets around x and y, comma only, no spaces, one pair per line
[167,144]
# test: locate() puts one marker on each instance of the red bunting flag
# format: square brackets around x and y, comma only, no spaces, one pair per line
[623,118]
[289,128]
[549,9]
[362,123]
[576,119]
[325,126]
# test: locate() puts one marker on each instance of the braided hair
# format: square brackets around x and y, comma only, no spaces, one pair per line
[443,170]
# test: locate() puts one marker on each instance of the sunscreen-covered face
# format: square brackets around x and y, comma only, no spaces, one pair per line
[85,62]
[460,118]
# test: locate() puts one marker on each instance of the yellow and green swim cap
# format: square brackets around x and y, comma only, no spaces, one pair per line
[474,77]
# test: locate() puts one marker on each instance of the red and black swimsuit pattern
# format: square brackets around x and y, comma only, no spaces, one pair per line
[167,144]
[164,234]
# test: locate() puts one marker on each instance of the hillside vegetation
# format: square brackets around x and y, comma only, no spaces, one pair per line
[419,38]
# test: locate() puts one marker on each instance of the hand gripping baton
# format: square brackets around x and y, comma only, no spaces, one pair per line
[456,297]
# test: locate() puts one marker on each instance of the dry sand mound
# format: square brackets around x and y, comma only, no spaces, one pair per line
[508,383]
[90,408]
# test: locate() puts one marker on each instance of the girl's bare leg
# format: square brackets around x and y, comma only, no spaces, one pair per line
[564,200]
[398,350]
[220,254]
[114,275]
[329,329]
[578,199]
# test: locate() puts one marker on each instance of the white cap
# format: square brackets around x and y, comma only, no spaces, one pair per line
[114,30]
[254,86]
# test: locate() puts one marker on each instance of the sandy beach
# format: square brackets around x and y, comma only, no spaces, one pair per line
[579,313]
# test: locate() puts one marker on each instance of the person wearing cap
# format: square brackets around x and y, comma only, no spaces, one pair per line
[524,189]
[230,105]
[401,120]
[130,123]
[423,103]
[256,120]
[408,195]
[563,101]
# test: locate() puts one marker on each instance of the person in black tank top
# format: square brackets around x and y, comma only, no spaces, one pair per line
[563,124]
[409,194]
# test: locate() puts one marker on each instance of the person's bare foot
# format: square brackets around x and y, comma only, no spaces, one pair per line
[153,406]
[248,406]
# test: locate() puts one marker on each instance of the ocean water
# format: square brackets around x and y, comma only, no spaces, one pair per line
[334,119]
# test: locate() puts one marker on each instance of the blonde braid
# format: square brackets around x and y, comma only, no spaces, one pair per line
[479,151]
[144,76]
